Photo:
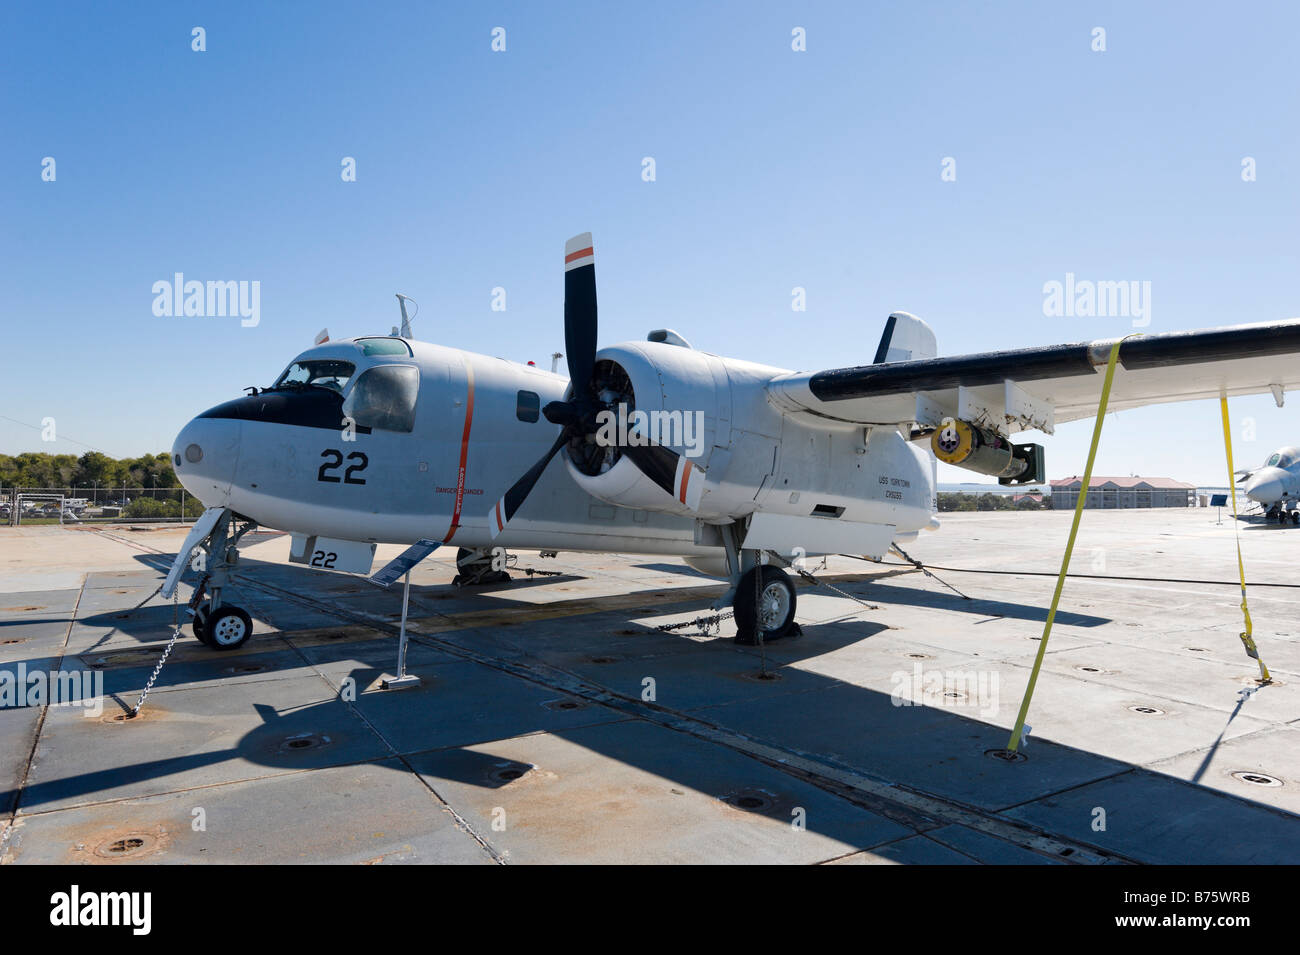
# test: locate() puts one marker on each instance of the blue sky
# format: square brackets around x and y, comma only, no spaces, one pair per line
[775,169]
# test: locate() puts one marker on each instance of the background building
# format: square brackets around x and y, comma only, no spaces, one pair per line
[1121,492]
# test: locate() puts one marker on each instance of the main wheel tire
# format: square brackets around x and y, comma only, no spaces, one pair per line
[200,625]
[228,628]
[1295,517]
[476,573]
[777,598]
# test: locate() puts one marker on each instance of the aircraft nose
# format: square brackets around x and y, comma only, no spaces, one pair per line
[204,455]
[1265,487]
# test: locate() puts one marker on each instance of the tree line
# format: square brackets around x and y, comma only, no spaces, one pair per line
[988,501]
[90,470]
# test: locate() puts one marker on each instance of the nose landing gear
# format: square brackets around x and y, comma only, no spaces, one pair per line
[217,624]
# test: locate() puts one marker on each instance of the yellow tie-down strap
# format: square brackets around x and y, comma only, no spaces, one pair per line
[1017,734]
[1246,635]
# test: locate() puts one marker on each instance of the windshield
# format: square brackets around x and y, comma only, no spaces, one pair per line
[384,397]
[318,372]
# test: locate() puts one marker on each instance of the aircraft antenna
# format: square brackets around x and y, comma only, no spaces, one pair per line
[406,321]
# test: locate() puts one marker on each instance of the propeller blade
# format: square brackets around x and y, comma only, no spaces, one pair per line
[580,311]
[519,491]
[673,472]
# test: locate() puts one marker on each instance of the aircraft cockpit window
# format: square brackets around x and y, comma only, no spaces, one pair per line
[384,398]
[1274,462]
[383,346]
[318,373]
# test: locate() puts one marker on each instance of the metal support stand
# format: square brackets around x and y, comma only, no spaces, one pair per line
[403,679]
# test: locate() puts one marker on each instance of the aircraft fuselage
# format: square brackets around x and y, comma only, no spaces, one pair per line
[293,459]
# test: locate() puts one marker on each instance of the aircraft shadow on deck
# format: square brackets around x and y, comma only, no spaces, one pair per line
[145,623]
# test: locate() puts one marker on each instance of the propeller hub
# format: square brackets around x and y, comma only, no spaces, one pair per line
[561,412]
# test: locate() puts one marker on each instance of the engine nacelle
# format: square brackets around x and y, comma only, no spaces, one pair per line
[674,395]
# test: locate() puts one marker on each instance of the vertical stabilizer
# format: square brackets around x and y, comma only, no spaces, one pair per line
[906,338]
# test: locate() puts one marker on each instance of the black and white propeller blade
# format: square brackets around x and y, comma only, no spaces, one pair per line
[514,497]
[671,471]
[578,416]
[580,311]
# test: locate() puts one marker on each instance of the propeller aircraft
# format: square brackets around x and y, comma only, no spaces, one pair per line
[665,449]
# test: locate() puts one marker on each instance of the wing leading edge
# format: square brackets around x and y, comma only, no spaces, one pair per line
[1036,387]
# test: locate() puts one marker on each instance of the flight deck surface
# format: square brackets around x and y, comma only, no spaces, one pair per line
[556,721]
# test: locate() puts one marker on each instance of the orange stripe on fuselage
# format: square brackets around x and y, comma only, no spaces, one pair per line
[686,479]
[464,454]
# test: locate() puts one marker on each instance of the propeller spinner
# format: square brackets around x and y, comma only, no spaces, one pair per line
[579,415]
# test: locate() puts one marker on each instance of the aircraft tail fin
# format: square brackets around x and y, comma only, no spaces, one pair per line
[906,338]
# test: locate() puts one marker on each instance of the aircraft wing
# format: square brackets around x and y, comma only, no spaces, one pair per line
[1034,388]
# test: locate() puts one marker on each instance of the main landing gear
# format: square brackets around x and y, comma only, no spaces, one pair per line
[762,596]
[478,567]
[217,624]
[1283,516]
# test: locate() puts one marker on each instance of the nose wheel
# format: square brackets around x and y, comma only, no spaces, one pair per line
[199,624]
[217,624]
[225,629]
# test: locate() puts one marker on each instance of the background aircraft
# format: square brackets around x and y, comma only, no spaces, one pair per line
[1275,485]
